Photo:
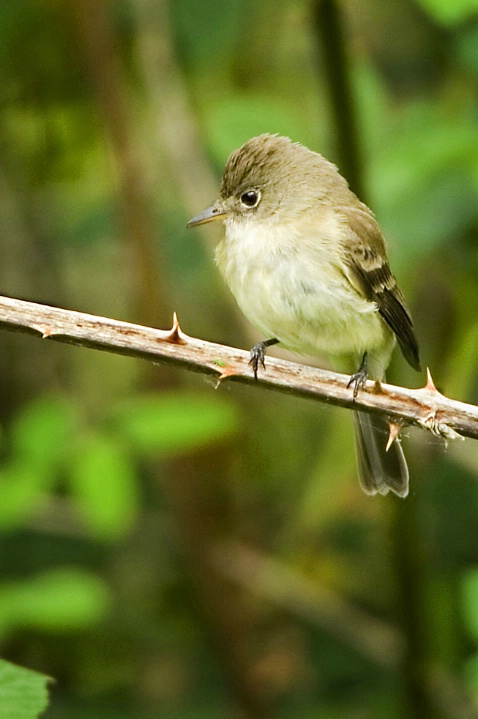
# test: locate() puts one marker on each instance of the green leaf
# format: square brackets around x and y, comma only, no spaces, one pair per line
[471,674]
[466,43]
[23,693]
[451,12]
[180,422]
[22,488]
[39,434]
[103,480]
[470,601]
[41,431]
[60,600]
[461,365]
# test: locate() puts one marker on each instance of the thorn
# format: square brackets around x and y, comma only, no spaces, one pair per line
[175,335]
[430,385]
[395,429]
[45,330]
[225,374]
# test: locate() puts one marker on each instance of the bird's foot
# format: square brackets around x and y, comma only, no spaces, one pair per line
[359,379]
[258,354]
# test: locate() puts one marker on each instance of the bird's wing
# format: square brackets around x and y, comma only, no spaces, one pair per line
[368,270]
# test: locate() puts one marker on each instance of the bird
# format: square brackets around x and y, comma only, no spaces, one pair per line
[307,263]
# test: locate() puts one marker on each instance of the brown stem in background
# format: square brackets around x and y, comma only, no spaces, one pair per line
[328,20]
[408,560]
[175,126]
[98,46]
[30,263]
[201,501]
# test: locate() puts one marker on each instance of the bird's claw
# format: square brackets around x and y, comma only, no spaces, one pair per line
[359,379]
[258,353]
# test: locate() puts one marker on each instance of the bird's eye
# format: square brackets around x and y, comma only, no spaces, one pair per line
[251,198]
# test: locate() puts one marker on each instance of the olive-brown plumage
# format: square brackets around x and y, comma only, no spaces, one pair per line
[308,265]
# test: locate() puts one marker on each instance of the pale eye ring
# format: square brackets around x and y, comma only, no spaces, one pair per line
[250,198]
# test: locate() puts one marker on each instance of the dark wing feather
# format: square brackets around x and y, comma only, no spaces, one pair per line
[367,262]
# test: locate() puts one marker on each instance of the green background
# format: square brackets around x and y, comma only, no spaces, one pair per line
[173,551]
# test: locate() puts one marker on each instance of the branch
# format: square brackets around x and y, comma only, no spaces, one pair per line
[382,643]
[424,407]
[282,585]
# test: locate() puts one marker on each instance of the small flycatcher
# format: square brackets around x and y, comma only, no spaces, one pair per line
[308,266]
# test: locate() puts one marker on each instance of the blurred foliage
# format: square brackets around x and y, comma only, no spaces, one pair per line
[450,13]
[131,495]
[59,601]
[48,445]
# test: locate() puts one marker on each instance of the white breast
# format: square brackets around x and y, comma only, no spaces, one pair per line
[295,290]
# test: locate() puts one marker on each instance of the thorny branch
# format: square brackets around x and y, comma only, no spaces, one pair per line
[424,407]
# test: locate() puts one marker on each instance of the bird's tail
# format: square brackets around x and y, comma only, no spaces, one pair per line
[379,471]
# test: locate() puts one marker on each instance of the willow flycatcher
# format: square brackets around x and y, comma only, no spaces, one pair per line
[308,266]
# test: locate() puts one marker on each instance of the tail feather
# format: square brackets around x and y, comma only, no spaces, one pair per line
[379,471]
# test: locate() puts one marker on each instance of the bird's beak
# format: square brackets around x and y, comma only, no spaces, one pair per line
[212,214]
